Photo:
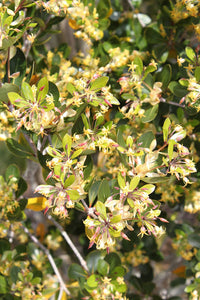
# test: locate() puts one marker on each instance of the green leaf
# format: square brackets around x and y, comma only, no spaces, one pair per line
[74,195]
[93,192]
[42,89]
[12,171]
[155,179]
[190,53]
[69,181]
[14,273]
[121,181]
[118,271]
[194,240]
[4,245]
[139,63]
[150,114]
[148,188]
[197,73]
[93,258]
[165,75]
[53,90]
[3,285]
[104,190]
[177,89]
[153,37]
[101,209]
[18,64]
[76,272]
[85,121]
[146,139]
[170,148]
[115,219]
[67,143]
[149,69]
[98,83]
[92,282]
[190,288]
[17,149]
[17,100]
[166,128]
[5,89]
[27,91]
[134,183]
[70,88]
[88,167]
[76,153]
[103,8]
[48,292]
[102,267]
[114,260]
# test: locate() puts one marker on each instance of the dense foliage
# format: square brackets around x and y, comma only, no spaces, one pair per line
[115,131]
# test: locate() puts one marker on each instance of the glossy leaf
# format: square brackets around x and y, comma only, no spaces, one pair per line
[102,267]
[12,171]
[98,83]
[166,128]
[76,272]
[42,89]
[101,209]
[67,143]
[150,114]
[93,192]
[103,191]
[69,181]
[27,92]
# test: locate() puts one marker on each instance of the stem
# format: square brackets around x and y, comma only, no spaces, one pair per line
[58,117]
[20,6]
[31,143]
[89,210]
[50,258]
[8,65]
[60,294]
[69,242]
[131,5]
[172,103]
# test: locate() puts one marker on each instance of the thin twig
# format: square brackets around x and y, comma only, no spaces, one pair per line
[131,5]
[31,143]
[8,65]
[60,294]
[50,258]
[172,103]
[69,242]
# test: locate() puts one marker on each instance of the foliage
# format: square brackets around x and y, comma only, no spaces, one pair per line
[115,131]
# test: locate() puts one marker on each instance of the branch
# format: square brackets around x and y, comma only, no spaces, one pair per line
[172,103]
[50,258]
[69,242]
[8,65]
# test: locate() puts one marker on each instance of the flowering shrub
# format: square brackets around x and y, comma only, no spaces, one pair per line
[115,134]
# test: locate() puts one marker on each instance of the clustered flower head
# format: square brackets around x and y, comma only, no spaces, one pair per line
[183,9]
[8,203]
[80,17]
[68,173]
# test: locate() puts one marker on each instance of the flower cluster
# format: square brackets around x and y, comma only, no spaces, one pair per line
[187,251]
[8,204]
[35,108]
[81,18]
[183,9]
